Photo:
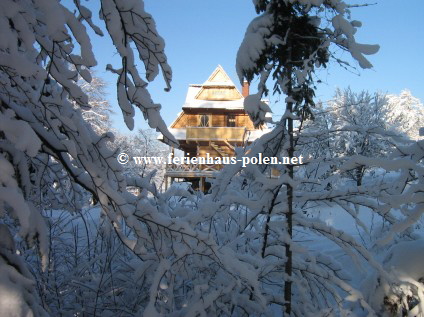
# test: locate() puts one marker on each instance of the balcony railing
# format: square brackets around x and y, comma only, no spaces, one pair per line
[204,170]
[236,134]
[192,170]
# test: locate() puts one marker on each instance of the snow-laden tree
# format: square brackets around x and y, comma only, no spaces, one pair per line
[98,115]
[405,114]
[50,158]
[18,294]
[396,196]
[390,191]
[359,118]
[288,41]
[146,145]
[366,124]
[174,253]
[48,154]
[351,124]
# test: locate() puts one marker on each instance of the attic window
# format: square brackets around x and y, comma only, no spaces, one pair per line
[231,120]
[204,120]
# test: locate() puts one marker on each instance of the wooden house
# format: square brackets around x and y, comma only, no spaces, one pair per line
[212,122]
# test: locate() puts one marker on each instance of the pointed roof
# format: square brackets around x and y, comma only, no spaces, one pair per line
[217,92]
[218,87]
[218,78]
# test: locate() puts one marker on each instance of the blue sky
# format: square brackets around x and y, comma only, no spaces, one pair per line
[201,34]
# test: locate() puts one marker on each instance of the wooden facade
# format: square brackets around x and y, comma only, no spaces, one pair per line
[212,123]
[217,118]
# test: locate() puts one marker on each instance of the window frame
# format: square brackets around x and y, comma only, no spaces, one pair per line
[231,120]
[208,122]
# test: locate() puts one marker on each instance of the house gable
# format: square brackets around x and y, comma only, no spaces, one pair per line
[218,87]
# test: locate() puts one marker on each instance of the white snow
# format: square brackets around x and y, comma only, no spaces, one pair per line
[257,110]
[209,104]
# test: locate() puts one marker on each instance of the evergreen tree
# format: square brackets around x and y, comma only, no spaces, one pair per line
[288,41]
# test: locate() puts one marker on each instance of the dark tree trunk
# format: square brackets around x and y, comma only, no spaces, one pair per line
[289,215]
[359,173]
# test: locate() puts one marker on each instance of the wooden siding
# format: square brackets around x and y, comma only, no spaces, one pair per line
[219,120]
[218,93]
[203,150]
[244,121]
[223,151]
[187,120]
[215,133]
[216,119]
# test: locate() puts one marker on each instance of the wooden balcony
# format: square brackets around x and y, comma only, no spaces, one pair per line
[235,134]
[192,170]
[204,170]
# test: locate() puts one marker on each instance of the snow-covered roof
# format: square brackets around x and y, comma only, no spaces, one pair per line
[219,78]
[201,96]
[214,104]
[219,82]
[193,90]
[179,134]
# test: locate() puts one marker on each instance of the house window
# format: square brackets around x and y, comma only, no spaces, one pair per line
[204,120]
[231,120]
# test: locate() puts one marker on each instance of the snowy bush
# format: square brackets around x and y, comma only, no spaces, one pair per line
[248,248]
[49,157]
